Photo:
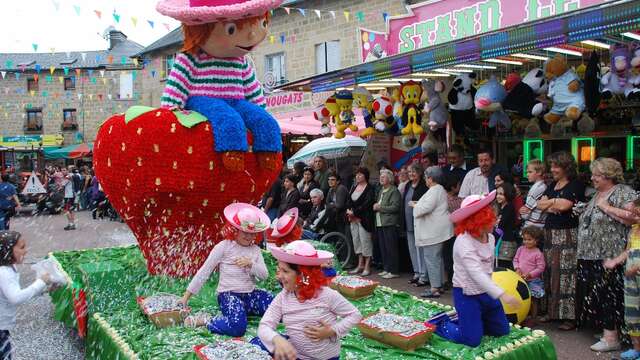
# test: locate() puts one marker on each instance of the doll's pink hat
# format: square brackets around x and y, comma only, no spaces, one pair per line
[471,205]
[247,218]
[300,252]
[195,12]
[285,223]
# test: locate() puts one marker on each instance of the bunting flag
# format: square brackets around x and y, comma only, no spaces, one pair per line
[134,20]
[52,69]
[288,10]
[78,71]
[272,39]
[61,79]
[333,14]
[116,16]
[302,11]
[77,9]
[318,13]
[35,47]
[84,56]
[8,64]
[385,16]
[360,16]
[282,38]
[153,74]
[3,73]
[38,68]
[36,77]
[66,71]
[346,15]
[101,73]
[98,13]
[151,23]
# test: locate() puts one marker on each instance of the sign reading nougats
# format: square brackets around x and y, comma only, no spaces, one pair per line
[440,21]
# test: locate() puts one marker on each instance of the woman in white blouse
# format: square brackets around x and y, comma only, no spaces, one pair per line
[432,227]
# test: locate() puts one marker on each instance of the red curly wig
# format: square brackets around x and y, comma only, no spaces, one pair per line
[310,280]
[295,234]
[196,35]
[482,221]
[229,232]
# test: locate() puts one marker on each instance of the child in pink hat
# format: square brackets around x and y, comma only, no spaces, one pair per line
[239,263]
[475,295]
[214,76]
[308,309]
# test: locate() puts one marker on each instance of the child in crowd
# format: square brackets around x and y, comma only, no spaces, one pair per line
[530,213]
[308,309]
[453,184]
[505,194]
[529,263]
[475,295]
[631,282]
[13,249]
[240,263]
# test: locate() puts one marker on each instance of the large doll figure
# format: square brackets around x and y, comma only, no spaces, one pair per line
[214,76]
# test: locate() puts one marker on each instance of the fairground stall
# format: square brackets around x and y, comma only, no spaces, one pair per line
[481,71]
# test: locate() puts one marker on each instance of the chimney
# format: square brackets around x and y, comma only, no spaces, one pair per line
[115,37]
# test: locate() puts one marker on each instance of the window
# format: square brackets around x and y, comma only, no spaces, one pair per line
[126,86]
[167,64]
[33,121]
[70,83]
[275,66]
[69,120]
[32,85]
[328,56]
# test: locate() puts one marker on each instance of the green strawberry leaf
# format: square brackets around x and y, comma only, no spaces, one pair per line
[189,118]
[135,111]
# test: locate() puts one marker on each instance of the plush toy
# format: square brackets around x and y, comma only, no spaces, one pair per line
[396,97]
[512,79]
[522,97]
[384,120]
[489,98]
[411,92]
[346,118]
[321,113]
[634,81]
[362,99]
[332,110]
[585,125]
[592,83]
[461,107]
[532,130]
[565,90]
[434,110]
[214,76]
[616,81]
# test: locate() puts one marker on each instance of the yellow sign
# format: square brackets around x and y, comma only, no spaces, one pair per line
[28,141]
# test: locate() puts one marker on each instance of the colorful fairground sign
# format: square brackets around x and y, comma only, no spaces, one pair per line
[440,21]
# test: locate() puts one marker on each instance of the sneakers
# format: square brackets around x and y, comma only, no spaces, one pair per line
[604,346]
[630,354]
[70,227]
[365,273]
[382,274]
[355,271]
[390,276]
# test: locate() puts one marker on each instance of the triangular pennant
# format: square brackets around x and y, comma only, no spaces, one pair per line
[288,10]
[135,61]
[3,73]
[79,96]
[98,13]
[134,20]
[98,59]
[78,72]
[45,93]
[49,79]
[385,16]
[101,73]
[333,14]
[56,4]
[36,77]
[151,23]
[8,64]
[116,16]
[94,80]
[52,69]
[318,14]
[38,68]
[77,9]
[33,185]
[109,96]
[104,81]
[272,39]
[33,92]
[17,76]
[35,46]
[66,71]
[61,79]
[360,16]
[100,97]
[282,38]
[123,60]
[153,73]
[84,56]
[166,26]
[346,15]
[110,59]
[90,96]
[302,11]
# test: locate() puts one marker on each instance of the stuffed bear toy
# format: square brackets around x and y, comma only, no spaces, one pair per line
[384,121]
[522,99]
[592,83]
[461,107]
[634,81]
[362,99]
[435,108]
[565,90]
[489,98]
[616,81]
[411,93]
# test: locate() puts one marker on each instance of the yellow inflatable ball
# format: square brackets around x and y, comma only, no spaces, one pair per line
[515,286]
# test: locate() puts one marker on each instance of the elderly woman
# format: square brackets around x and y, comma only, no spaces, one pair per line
[304,187]
[313,225]
[360,217]
[602,234]
[387,219]
[561,234]
[432,228]
[413,191]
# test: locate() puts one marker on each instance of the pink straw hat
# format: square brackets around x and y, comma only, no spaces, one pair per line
[471,205]
[195,12]
[247,218]
[300,252]
[285,223]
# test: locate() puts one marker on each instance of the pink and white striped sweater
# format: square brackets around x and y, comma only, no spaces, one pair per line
[205,75]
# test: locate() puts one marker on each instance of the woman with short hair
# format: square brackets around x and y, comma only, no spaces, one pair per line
[387,219]
[360,217]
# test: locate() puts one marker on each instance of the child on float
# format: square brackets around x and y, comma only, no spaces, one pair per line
[529,263]
[240,264]
[13,249]
[308,308]
[631,277]
[475,295]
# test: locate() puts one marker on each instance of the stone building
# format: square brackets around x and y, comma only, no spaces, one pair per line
[322,37]
[67,94]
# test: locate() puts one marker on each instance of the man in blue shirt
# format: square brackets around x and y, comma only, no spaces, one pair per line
[8,201]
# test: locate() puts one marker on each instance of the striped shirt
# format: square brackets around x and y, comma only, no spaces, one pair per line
[232,277]
[327,306]
[473,265]
[536,217]
[205,75]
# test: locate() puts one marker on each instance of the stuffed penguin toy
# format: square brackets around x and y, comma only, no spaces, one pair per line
[461,106]
[522,99]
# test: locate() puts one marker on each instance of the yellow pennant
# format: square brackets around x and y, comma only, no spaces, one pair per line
[33,92]
[61,79]
[90,96]
[135,61]
[272,39]
[104,81]
[52,69]
[134,20]
[346,15]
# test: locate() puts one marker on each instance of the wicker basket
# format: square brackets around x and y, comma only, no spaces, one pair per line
[163,319]
[354,292]
[406,343]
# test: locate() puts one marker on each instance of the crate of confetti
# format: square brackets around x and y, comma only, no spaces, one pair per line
[353,287]
[398,331]
[231,349]
[163,310]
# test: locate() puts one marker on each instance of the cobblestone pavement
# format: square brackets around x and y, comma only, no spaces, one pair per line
[39,336]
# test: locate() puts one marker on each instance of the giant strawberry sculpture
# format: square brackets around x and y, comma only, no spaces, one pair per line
[158,170]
